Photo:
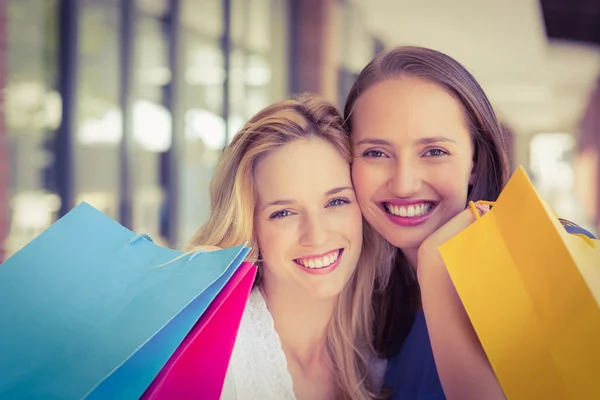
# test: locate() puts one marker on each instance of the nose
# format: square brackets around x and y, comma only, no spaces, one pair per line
[405,180]
[313,231]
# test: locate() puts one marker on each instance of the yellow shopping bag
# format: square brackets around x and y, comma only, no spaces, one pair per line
[532,293]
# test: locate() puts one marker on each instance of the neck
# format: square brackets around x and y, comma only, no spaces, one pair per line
[412,257]
[301,321]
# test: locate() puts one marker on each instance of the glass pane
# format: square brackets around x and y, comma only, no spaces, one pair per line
[251,24]
[204,73]
[551,165]
[204,16]
[204,128]
[278,49]
[239,21]
[259,30]
[99,130]
[258,81]
[152,134]
[33,112]
[155,8]
[237,84]
[249,86]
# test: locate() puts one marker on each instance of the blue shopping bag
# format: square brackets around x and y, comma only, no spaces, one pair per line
[91,310]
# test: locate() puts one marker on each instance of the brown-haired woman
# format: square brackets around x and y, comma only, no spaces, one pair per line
[426,141]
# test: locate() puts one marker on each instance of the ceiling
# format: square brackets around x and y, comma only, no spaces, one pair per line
[577,20]
[536,83]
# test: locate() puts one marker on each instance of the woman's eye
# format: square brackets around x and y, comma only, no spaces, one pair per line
[374,154]
[436,153]
[280,214]
[337,202]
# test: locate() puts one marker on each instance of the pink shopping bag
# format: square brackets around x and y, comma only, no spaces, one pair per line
[197,369]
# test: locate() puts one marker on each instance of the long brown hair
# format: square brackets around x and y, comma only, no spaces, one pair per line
[231,222]
[396,307]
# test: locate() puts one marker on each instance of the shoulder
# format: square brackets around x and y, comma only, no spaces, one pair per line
[257,368]
[412,373]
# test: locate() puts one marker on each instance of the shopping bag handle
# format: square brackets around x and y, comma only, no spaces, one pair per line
[145,236]
[473,207]
[139,237]
[192,254]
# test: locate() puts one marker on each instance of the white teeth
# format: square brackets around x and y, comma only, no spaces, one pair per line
[415,210]
[320,262]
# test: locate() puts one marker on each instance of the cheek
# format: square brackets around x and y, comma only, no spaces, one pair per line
[452,183]
[345,222]
[366,180]
[353,222]
[273,240]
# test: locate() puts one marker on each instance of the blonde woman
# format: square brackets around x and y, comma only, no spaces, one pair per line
[284,186]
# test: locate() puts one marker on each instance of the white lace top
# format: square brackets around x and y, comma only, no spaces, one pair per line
[258,367]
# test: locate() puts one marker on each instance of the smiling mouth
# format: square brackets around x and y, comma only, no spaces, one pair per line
[411,211]
[317,262]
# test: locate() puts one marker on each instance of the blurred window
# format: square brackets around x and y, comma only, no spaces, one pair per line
[552,171]
[33,113]
[151,119]
[98,132]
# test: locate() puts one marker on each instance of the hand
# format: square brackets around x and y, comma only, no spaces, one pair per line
[462,365]
[428,250]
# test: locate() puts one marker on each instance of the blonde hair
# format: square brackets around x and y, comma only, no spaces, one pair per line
[231,222]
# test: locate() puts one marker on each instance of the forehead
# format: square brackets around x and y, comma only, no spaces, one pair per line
[410,105]
[300,169]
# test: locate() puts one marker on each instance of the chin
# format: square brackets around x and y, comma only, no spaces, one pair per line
[329,289]
[403,238]
[327,292]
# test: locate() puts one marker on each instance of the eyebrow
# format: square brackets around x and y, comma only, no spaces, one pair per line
[435,139]
[422,141]
[287,202]
[373,141]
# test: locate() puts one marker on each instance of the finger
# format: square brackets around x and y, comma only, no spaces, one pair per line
[483,208]
[476,209]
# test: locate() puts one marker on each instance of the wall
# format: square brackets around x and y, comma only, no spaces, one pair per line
[315,38]
[587,162]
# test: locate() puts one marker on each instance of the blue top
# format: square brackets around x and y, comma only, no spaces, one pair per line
[412,374]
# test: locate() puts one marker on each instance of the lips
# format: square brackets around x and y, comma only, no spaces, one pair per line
[408,213]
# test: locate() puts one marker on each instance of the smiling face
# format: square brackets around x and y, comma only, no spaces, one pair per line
[307,221]
[413,159]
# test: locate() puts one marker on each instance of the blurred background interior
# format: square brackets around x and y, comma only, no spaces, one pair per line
[127,104]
